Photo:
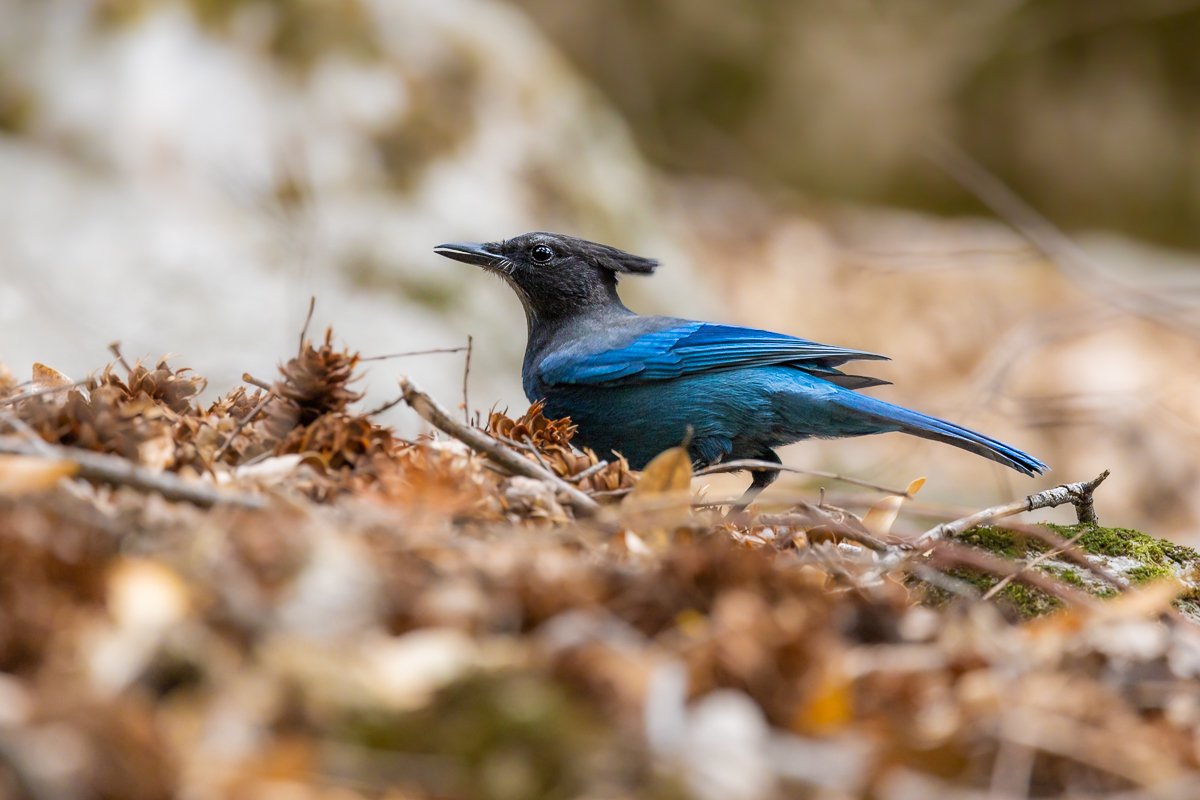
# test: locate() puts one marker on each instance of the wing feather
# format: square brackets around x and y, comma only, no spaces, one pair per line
[695,347]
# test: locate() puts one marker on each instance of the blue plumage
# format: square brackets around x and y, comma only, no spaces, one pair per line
[636,385]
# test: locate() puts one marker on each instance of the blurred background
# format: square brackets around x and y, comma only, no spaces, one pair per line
[182,176]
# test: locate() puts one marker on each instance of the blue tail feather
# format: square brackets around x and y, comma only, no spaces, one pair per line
[927,427]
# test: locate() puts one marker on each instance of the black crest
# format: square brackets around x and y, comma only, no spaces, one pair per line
[611,258]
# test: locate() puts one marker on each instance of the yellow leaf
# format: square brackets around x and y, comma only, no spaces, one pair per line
[829,708]
[669,471]
[881,516]
[48,377]
[662,497]
[25,474]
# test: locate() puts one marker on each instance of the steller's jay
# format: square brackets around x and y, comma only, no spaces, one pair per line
[637,385]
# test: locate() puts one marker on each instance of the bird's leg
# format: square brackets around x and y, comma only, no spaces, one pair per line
[761,479]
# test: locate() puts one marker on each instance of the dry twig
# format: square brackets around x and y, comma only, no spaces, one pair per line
[115,349]
[754,465]
[312,305]
[253,381]
[241,424]
[433,413]
[117,471]
[1078,494]
[466,380]
[66,387]
[408,353]
[580,477]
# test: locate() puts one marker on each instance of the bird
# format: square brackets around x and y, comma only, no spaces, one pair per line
[636,385]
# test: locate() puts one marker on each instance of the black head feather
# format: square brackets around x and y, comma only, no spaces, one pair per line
[554,275]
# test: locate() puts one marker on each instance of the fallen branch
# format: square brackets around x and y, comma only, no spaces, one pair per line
[1078,494]
[430,411]
[753,465]
[117,471]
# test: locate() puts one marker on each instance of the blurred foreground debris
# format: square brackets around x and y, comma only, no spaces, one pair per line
[335,612]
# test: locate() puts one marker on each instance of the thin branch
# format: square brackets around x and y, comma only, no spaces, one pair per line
[241,424]
[387,356]
[385,407]
[433,413]
[66,387]
[253,381]
[812,518]
[117,471]
[1055,245]
[22,427]
[580,477]
[1078,494]
[115,349]
[622,493]
[466,379]
[312,305]
[754,465]
[532,448]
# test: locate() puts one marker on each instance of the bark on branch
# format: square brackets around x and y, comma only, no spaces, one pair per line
[117,471]
[433,413]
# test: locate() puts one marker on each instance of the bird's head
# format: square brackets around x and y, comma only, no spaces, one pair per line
[554,275]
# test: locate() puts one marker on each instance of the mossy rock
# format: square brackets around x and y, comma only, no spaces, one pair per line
[1128,554]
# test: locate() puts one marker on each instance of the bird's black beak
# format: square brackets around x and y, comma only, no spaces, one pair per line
[481,255]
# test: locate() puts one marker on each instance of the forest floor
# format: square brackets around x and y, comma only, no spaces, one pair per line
[274,595]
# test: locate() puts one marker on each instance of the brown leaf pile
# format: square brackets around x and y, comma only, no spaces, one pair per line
[403,619]
[551,438]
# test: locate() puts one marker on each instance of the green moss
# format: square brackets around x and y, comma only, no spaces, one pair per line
[1028,602]
[1154,558]
[1067,575]
[1022,600]
[1144,573]
[1002,542]
[1127,543]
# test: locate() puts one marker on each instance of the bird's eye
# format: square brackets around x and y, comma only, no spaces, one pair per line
[542,254]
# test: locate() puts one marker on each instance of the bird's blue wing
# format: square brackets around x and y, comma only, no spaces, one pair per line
[690,348]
